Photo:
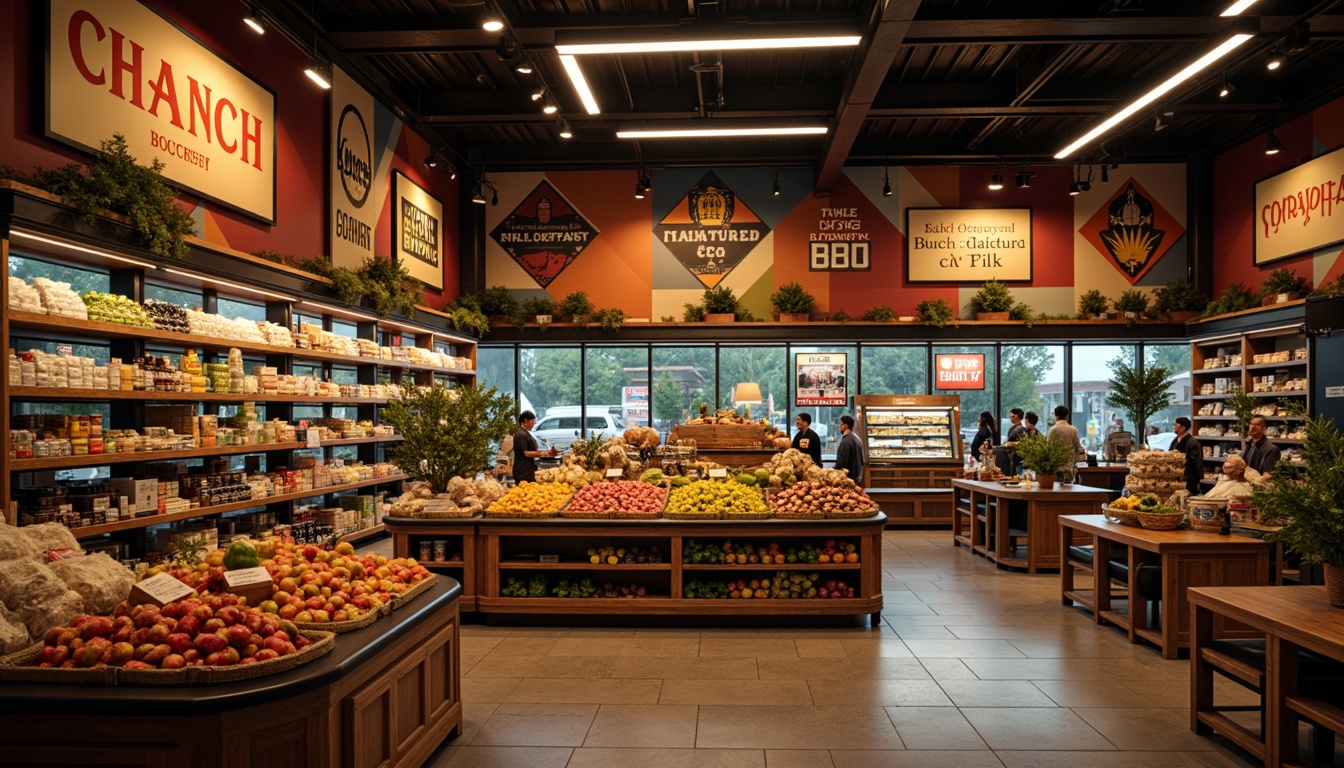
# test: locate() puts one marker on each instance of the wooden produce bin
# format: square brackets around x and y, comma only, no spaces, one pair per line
[459,535]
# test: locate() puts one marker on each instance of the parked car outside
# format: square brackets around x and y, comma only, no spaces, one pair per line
[563,428]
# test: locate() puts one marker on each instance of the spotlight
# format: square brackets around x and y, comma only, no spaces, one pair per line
[886,184]
[1074,188]
[648,181]
[1272,143]
[452,172]
[775,190]
[1024,177]
[639,189]
[538,93]
[566,130]
[478,196]
[1163,121]
[1226,89]
[1105,174]
[996,181]
[432,161]
[1085,186]
[550,108]
[492,24]
[523,67]
[1275,59]
[253,21]
[319,73]
[1298,37]
[494,196]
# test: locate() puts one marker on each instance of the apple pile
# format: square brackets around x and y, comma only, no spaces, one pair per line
[214,632]
[835,589]
[314,585]
[619,496]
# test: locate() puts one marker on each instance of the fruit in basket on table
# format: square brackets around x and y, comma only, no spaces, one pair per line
[710,499]
[532,499]
[619,496]
[746,478]
[652,476]
[787,466]
[836,590]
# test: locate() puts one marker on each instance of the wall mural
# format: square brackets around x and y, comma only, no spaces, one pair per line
[544,234]
[710,231]
[1132,230]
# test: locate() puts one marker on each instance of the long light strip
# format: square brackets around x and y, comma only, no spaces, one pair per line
[227,284]
[90,251]
[580,84]
[1236,8]
[1190,71]
[683,133]
[709,44]
[339,311]
[317,77]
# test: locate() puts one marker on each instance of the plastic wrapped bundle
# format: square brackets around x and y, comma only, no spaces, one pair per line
[49,536]
[276,335]
[13,634]
[59,299]
[24,298]
[167,317]
[14,545]
[100,581]
[36,596]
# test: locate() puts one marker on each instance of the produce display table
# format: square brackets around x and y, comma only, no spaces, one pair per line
[514,548]
[1106,474]
[1290,619]
[999,521]
[734,457]
[1187,559]
[459,538]
[388,695]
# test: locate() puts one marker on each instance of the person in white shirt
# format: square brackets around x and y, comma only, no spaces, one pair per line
[1237,480]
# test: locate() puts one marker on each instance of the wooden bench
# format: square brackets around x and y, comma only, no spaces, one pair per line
[914,506]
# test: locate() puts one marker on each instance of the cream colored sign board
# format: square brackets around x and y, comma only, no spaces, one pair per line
[967,245]
[115,66]
[1301,209]
[355,193]
[417,230]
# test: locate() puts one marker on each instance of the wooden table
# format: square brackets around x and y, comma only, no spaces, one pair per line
[1188,559]
[1289,618]
[981,520]
[1106,474]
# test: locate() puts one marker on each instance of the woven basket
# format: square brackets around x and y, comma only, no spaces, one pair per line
[688,516]
[1122,516]
[625,514]
[17,668]
[321,644]
[402,598]
[856,515]
[511,515]
[341,627]
[809,515]
[570,514]
[766,515]
[1169,521]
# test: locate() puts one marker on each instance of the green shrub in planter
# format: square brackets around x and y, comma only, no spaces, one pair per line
[720,300]
[539,305]
[993,296]
[1234,298]
[693,313]
[608,319]
[1178,296]
[1093,304]
[1021,312]
[1307,500]
[791,299]
[935,312]
[840,316]
[496,301]
[1132,301]
[1284,281]
[878,315]
[1044,456]
[576,307]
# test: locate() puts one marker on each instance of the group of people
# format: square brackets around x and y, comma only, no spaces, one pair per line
[1023,424]
[1239,472]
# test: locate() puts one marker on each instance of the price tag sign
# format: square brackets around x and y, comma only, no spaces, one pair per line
[314,438]
[245,576]
[613,472]
[720,472]
[159,590]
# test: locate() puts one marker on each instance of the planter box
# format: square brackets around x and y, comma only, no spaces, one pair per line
[794,317]
[991,316]
[1279,298]
[1183,316]
[720,318]
[722,435]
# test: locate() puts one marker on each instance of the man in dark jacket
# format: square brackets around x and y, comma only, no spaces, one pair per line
[1260,454]
[805,439]
[849,453]
[1194,454]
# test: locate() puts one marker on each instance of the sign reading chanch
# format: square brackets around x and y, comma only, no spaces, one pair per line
[967,245]
[115,66]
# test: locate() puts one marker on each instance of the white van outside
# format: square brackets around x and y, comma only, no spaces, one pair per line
[562,425]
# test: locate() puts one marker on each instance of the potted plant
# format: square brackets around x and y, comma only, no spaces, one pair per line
[447,433]
[1234,298]
[935,312]
[1283,285]
[1132,305]
[1307,501]
[992,302]
[1179,301]
[792,303]
[1139,393]
[1045,457]
[1092,305]
[497,303]
[878,315]
[720,305]
[575,307]
[540,309]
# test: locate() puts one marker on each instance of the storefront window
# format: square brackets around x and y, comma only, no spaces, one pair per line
[683,378]
[188,299]
[616,380]
[765,366]
[822,416]
[549,379]
[895,370]
[1031,377]
[494,368]
[230,308]
[973,401]
[1093,370]
[80,280]
[1176,359]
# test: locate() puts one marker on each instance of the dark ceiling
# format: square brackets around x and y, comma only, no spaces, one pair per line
[933,81]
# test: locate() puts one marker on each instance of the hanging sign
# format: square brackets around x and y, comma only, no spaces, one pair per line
[710,230]
[1301,209]
[958,372]
[355,195]
[417,231]
[967,245]
[820,380]
[117,67]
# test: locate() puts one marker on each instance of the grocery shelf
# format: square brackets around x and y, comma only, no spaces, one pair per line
[102,459]
[526,565]
[146,521]
[361,535]
[1273,366]
[1284,393]
[65,394]
[785,567]
[1229,369]
[1209,417]
[681,606]
[1210,397]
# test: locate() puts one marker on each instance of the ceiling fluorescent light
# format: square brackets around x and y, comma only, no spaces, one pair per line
[1236,8]
[318,74]
[227,284]
[1200,64]
[254,22]
[709,44]
[580,84]
[686,133]
[81,249]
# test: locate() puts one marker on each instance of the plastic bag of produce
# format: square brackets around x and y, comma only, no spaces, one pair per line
[36,596]
[101,581]
[14,545]
[13,634]
[49,536]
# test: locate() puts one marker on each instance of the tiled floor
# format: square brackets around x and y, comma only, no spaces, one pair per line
[972,667]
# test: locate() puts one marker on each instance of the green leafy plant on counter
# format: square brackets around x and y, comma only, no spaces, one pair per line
[608,319]
[935,312]
[840,316]
[1044,456]
[720,300]
[1234,298]
[693,313]
[114,181]
[464,317]
[1132,304]
[538,305]
[993,296]
[1092,304]
[1021,312]
[667,319]
[447,432]
[792,299]
[1139,393]
[1178,296]
[576,307]
[1307,499]
[1284,281]
[1330,287]
[497,301]
[878,315]
[389,286]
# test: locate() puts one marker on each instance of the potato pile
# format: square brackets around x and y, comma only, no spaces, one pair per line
[810,498]
[715,499]
[531,500]
[622,498]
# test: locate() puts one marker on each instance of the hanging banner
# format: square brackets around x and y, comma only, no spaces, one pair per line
[968,245]
[710,231]
[820,379]
[353,205]
[544,233]
[1299,210]
[417,231]
[958,372]
[118,67]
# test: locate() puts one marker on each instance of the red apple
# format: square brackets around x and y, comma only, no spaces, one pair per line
[192,656]
[179,642]
[157,655]
[173,661]
[208,643]
[266,654]
[239,635]
[213,625]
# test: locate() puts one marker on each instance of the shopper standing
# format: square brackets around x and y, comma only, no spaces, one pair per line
[1031,420]
[526,450]
[988,433]
[1260,454]
[1065,432]
[1194,454]
[1018,430]
[805,439]
[849,453]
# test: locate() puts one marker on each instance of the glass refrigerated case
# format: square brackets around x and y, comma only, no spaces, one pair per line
[899,429]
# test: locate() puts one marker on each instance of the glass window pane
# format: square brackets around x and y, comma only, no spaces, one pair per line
[1030,377]
[765,366]
[683,378]
[177,296]
[1176,359]
[616,381]
[549,378]
[825,420]
[1093,369]
[973,401]
[342,328]
[345,375]
[80,280]
[494,368]
[895,370]
[248,309]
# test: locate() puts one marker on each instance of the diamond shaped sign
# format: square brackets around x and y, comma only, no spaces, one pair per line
[1132,231]
[544,234]
[710,231]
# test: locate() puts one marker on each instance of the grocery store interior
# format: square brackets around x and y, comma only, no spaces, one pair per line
[484,383]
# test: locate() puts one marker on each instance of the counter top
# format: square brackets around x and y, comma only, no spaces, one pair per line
[999,489]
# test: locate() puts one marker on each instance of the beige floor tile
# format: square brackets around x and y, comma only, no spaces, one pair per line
[586,757]
[783,727]
[1137,728]
[1099,759]
[886,647]
[601,632]
[909,758]
[468,661]
[907,609]
[848,668]
[474,716]
[995,693]
[543,666]
[798,758]
[813,648]
[740,647]
[963,649]
[494,689]
[673,668]
[937,728]
[1068,647]
[479,646]
[587,646]
[500,757]
[1063,669]
[948,669]
[536,725]
[677,647]
[1034,728]
[879,693]
[643,726]
[524,646]
[585,691]
[925,632]
[793,692]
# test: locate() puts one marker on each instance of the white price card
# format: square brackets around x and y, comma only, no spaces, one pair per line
[720,472]
[246,576]
[613,472]
[314,438]
[160,590]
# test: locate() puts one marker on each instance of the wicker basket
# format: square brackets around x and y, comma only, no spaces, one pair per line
[402,598]
[341,627]
[808,515]
[1121,516]
[856,515]
[625,514]
[688,516]
[752,515]
[1162,521]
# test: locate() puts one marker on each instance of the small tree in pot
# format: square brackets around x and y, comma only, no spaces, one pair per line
[935,312]
[1179,300]
[992,302]
[720,305]
[447,433]
[1132,305]
[1139,393]
[1045,457]
[793,304]
[1093,305]
[1283,285]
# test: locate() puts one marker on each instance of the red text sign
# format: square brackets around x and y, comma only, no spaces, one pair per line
[959,372]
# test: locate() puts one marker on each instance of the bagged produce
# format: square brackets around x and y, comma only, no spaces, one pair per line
[36,596]
[13,634]
[100,581]
[49,536]
[15,545]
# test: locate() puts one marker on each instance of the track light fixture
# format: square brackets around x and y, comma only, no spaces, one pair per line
[1024,177]
[524,66]
[1297,38]
[996,181]
[1227,88]
[1275,59]
[639,189]
[494,196]
[320,73]
[1163,121]
[1273,145]
[478,196]
[1074,189]
[566,130]
[537,93]
[253,21]
[1105,174]
[886,183]
[492,23]
[775,190]
[432,161]
[1085,184]
[648,181]
[550,108]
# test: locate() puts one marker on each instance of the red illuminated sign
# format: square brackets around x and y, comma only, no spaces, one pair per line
[959,372]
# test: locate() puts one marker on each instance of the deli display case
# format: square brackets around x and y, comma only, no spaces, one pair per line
[910,441]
